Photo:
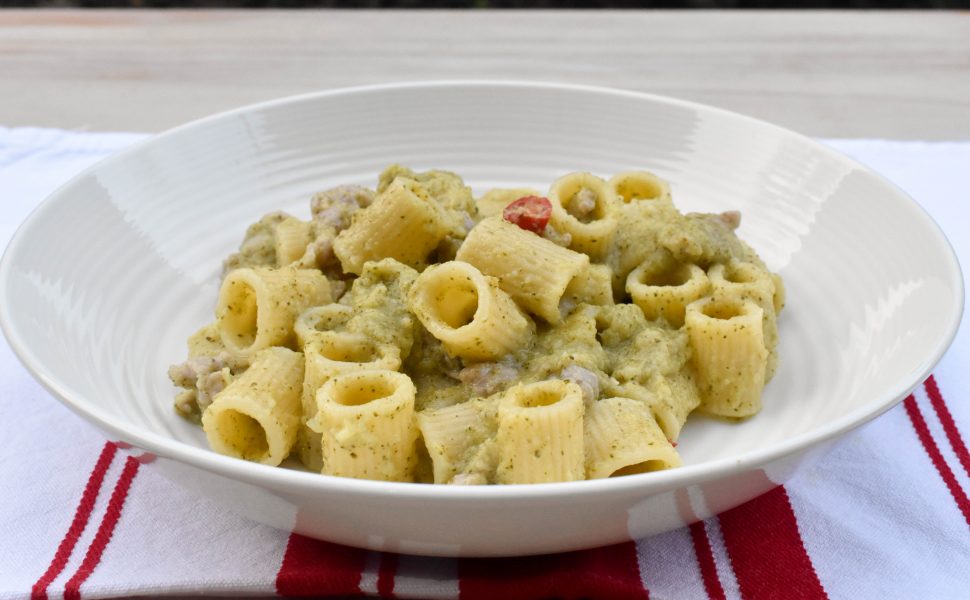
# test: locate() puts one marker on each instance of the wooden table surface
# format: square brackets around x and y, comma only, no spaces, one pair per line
[903,75]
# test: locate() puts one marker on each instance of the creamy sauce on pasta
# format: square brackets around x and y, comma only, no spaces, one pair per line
[416,333]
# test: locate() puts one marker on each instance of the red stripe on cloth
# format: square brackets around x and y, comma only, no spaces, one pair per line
[608,572]
[766,550]
[317,568]
[81,517]
[385,576]
[949,425]
[925,438]
[72,589]
[705,559]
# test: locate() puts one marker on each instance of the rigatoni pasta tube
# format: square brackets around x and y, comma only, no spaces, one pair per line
[404,223]
[645,207]
[258,415]
[675,397]
[639,187]
[366,419]
[622,438]
[664,291]
[468,312]
[328,354]
[292,238]
[742,280]
[584,207]
[728,353]
[452,434]
[531,269]
[257,307]
[540,433]
[670,398]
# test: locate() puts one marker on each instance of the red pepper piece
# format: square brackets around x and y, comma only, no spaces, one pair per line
[530,213]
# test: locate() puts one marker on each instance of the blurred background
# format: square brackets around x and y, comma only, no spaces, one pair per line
[899,74]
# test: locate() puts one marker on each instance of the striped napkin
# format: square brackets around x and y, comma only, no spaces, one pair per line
[885,515]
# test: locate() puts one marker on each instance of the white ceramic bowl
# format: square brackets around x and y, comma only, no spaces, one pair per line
[103,283]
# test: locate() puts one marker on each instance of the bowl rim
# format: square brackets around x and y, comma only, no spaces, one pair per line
[655,482]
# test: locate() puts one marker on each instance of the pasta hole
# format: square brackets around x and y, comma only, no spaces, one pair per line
[243,434]
[458,305]
[342,349]
[585,205]
[635,190]
[723,309]
[327,321]
[540,397]
[673,276]
[355,391]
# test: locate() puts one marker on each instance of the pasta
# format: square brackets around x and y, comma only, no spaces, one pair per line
[330,354]
[592,285]
[257,416]
[729,354]
[533,270]
[366,419]
[469,312]
[457,439]
[622,437]
[403,223]
[664,291]
[584,207]
[540,433]
[744,280]
[414,333]
[258,307]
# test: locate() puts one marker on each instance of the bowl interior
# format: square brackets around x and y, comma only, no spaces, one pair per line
[108,278]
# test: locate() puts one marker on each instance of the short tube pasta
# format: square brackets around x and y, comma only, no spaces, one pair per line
[664,291]
[257,307]
[742,280]
[645,207]
[675,397]
[468,311]
[533,270]
[329,354]
[257,416]
[728,354]
[540,433]
[366,420]
[454,437]
[403,223]
[439,342]
[670,399]
[292,238]
[639,187]
[622,438]
[584,207]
